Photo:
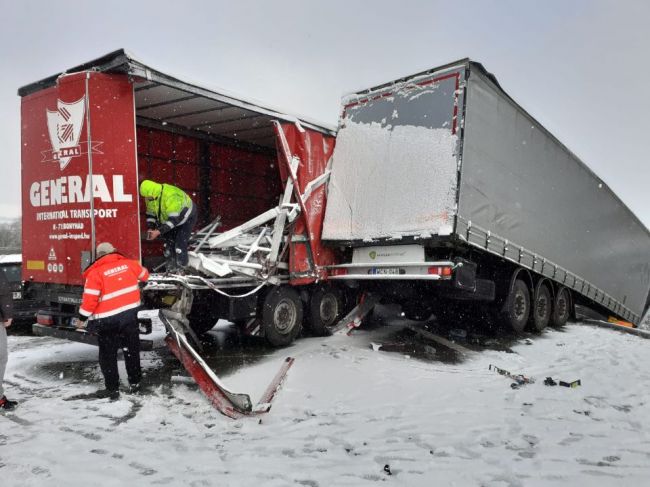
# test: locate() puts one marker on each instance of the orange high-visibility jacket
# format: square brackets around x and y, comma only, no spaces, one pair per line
[111,286]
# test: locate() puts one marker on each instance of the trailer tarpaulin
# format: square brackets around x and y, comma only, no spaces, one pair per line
[79,181]
[523,186]
[314,150]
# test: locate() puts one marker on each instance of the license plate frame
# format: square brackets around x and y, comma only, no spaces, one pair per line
[386,271]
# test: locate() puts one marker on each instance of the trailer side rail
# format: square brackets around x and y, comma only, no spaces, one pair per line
[512,252]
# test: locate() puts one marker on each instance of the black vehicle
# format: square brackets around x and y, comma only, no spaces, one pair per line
[25,306]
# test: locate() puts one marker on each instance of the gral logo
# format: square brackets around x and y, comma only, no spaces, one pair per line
[64,127]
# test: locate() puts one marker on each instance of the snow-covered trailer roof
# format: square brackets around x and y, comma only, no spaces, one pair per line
[10,259]
[166,101]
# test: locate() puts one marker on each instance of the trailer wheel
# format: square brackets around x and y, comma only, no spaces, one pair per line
[517,307]
[541,309]
[325,310]
[201,324]
[282,316]
[561,308]
[202,315]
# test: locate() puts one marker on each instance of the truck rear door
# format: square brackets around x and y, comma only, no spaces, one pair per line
[79,175]
[395,165]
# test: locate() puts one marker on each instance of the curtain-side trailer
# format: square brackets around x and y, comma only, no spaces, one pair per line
[89,135]
[449,196]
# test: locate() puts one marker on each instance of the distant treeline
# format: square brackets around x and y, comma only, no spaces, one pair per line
[10,238]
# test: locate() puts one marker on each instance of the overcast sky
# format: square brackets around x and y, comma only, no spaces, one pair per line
[579,66]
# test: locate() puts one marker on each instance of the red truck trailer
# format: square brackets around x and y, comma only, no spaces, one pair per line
[90,134]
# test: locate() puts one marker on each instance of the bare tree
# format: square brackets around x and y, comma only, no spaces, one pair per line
[10,237]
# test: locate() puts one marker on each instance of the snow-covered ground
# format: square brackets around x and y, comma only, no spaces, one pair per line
[347,415]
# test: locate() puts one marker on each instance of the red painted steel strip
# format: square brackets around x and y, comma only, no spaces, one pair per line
[209,388]
[273,387]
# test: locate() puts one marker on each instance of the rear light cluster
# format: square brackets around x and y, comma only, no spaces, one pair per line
[440,270]
[43,319]
[341,271]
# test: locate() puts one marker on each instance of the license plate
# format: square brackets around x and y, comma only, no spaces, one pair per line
[17,295]
[386,271]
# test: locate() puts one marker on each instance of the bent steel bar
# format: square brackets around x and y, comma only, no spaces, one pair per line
[232,404]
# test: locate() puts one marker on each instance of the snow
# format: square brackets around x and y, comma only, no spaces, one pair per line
[11,259]
[347,409]
[389,181]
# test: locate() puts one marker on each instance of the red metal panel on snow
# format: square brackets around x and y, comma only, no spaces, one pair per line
[314,150]
[56,185]
[209,388]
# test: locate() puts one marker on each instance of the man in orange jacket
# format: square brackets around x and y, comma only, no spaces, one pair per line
[110,302]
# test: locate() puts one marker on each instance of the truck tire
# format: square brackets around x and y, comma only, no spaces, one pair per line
[201,316]
[325,310]
[201,324]
[561,308]
[541,309]
[282,316]
[516,309]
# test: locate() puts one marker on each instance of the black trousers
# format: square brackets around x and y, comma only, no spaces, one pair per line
[176,242]
[114,332]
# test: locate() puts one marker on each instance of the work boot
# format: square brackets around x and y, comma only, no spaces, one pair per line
[107,393]
[7,404]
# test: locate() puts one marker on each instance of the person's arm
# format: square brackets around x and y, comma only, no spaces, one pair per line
[151,221]
[90,298]
[141,272]
[176,212]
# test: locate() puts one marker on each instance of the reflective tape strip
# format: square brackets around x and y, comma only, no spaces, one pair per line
[94,292]
[187,213]
[143,273]
[115,294]
[84,312]
[173,214]
[170,224]
[117,311]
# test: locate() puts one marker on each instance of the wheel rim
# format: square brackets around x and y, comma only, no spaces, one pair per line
[284,316]
[542,307]
[519,307]
[328,309]
[562,306]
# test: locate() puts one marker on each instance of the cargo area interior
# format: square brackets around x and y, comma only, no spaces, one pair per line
[221,152]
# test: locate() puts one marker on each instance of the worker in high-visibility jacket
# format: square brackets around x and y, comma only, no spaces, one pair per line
[109,308]
[171,214]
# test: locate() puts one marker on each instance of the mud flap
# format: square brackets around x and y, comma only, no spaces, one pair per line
[232,404]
